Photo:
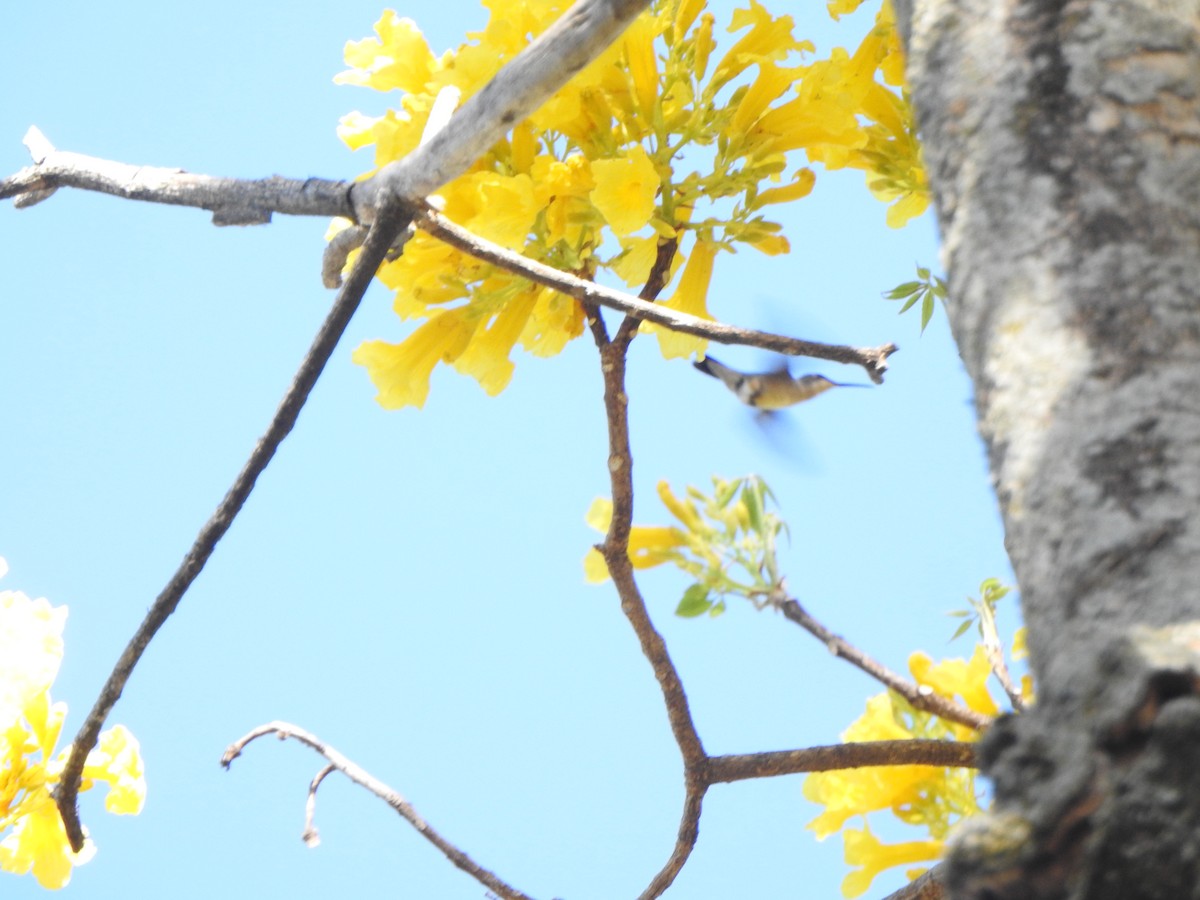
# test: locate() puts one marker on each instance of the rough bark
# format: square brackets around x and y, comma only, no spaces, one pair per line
[1063,143]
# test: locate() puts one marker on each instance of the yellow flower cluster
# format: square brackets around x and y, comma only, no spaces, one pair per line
[34,839]
[885,146]
[932,799]
[594,180]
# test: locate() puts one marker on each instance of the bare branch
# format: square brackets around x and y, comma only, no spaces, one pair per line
[995,655]
[689,832]
[388,225]
[872,359]
[743,766]
[919,697]
[232,201]
[615,550]
[385,793]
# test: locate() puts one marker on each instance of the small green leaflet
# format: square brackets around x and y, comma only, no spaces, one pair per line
[924,291]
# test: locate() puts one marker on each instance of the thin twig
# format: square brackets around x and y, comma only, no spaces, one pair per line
[311,836]
[921,698]
[388,225]
[995,655]
[743,766]
[388,795]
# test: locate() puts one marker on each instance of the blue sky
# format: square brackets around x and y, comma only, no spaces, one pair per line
[408,584]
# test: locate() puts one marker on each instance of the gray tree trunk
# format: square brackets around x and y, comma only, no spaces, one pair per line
[1063,145]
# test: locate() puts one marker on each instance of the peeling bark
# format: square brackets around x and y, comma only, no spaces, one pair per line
[1063,144]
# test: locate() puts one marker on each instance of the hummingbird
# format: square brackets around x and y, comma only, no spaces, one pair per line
[769,391]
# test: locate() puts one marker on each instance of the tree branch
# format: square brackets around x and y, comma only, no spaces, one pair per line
[387,794]
[919,697]
[615,550]
[383,233]
[744,766]
[872,359]
[232,201]
[235,201]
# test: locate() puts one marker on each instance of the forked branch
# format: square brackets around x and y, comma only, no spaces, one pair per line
[383,233]
[390,796]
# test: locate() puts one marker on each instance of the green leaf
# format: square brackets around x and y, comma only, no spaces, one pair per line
[939,288]
[753,500]
[922,273]
[901,291]
[695,602]
[926,311]
[909,303]
[961,630]
[717,609]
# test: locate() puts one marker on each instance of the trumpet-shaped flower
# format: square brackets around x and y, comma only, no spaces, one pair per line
[625,190]
[648,545]
[690,297]
[931,798]
[866,851]
[401,371]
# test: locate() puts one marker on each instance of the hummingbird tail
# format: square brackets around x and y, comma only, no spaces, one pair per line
[717,369]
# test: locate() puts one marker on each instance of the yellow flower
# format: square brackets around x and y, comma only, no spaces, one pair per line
[638,45]
[704,43]
[401,371]
[772,82]
[637,259]
[486,357]
[498,207]
[625,190]
[769,38]
[957,678]
[908,207]
[562,189]
[685,15]
[648,545]
[556,319]
[684,511]
[801,186]
[30,725]
[852,792]
[399,59]
[689,297]
[864,849]
[1019,648]
[838,8]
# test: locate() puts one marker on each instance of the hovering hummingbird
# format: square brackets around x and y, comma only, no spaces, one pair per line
[769,390]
